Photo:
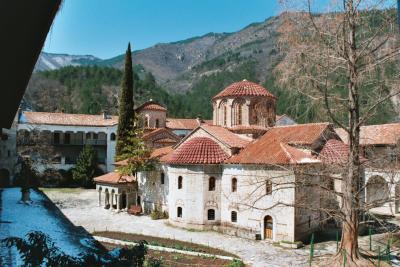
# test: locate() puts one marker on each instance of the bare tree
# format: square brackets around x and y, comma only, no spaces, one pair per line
[346,60]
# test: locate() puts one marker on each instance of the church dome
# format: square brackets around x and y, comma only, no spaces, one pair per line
[198,150]
[244,88]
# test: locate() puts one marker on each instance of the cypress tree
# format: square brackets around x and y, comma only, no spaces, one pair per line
[86,167]
[126,111]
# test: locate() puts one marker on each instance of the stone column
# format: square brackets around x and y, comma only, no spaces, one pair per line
[106,199]
[118,202]
[112,201]
[99,198]
[136,198]
[128,195]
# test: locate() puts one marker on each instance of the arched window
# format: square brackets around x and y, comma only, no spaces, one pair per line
[180,182]
[239,115]
[211,215]
[157,123]
[113,137]
[146,121]
[268,187]
[234,185]
[162,178]
[179,212]
[233,216]
[238,111]
[225,115]
[211,184]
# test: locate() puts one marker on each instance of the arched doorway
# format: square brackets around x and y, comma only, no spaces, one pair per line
[377,190]
[4,178]
[268,227]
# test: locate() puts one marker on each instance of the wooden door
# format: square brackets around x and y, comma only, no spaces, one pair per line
[268,227]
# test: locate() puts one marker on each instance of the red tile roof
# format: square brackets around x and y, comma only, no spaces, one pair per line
[225,136]
[198,150]
[151,105]
[156,153]
[279,145]
[114,178]
[182,124]
[166,141]
[383,134]
[244,88]
[334,151]
[152,133]
[67,119]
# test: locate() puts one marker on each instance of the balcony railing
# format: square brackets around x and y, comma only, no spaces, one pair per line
[93,142]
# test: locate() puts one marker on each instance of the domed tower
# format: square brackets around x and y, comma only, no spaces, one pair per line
[244,103]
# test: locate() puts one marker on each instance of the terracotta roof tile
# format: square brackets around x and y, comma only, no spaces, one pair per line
[67,119]
[114,178]
[198,150]
[225,136]
[156,153]
[151,105]
[269,149]
[383,134]
[334,151]
[166,141]
[182,124]
[244,88]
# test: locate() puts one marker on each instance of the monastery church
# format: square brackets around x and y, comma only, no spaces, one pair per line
[231,174]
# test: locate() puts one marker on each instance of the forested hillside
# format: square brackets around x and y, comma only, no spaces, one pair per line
[183,76]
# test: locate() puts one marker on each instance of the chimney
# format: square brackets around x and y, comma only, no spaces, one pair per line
[199,120]
[105,116]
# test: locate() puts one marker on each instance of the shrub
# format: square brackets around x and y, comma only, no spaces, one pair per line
[153,262]
[157,215]
[236,263]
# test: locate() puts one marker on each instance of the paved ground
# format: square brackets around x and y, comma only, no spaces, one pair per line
[81,207]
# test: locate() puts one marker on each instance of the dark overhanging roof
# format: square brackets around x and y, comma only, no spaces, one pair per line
[23,27]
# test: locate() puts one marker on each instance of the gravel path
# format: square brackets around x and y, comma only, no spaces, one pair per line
[81,207]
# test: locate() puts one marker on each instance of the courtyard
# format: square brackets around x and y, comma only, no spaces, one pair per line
[81,208]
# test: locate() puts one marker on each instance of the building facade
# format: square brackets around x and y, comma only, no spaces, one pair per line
[231,176]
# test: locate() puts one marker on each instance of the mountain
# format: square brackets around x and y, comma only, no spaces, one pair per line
[183,76]
[50,61]
[178,65]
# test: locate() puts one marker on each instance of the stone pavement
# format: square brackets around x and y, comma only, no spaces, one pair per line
[81,208]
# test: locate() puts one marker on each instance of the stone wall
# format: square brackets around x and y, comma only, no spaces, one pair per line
[194,197]
[154,193]
[252,204]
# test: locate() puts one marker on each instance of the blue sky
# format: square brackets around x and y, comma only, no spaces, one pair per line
[103,27]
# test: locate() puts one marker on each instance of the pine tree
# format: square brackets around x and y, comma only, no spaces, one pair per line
[126,111]
[86,167]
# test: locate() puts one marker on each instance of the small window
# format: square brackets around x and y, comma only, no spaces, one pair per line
[112,137]
[234,185]
[211,215]
[179,212]
[162,178]
[211,184]
[67,138]
[268,187]
[180,182]
[234,216]
[157,123]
